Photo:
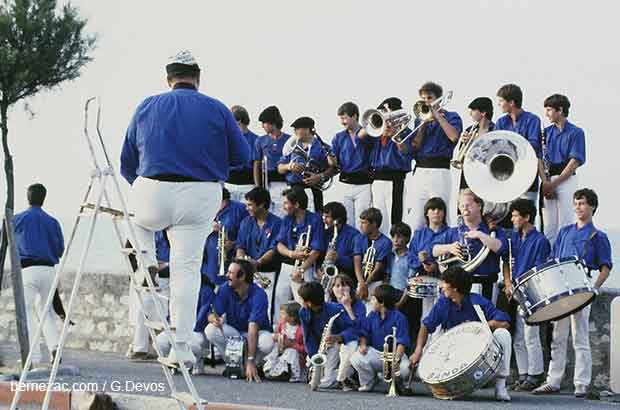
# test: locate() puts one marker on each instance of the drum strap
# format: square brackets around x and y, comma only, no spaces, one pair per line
[482,318]
[585,248]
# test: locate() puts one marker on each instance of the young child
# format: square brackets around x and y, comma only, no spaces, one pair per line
[398,264]
[286,360]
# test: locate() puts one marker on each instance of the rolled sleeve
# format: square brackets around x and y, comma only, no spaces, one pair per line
[433,319]
[603,251]
[578,147]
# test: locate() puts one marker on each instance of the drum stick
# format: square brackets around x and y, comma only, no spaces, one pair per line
[483,319]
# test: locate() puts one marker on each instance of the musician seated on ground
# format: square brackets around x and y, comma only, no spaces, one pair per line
[314,316]
[287,359]
[341,253]
[343,293]
[529,248]
[300,243]
[229,216]
[477,233]
[245,305]
[371,274]
[583,240]
[381,321]
[310,164]
[398,261]
[456,306]
[256,240]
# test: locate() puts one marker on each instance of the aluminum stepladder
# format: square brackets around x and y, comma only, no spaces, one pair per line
[99,177]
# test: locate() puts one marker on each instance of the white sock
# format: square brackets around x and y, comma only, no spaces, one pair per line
[500,383]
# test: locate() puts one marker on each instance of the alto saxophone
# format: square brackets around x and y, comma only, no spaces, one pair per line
[329,268]
[318,361]
[303,244]
[391,367]
[368,262]
[221,250]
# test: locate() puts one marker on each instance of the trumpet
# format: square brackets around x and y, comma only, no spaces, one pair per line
[457,162]
[368,262]
[391,367]
[221,250]
[329,268]
[265,172]
[303,244]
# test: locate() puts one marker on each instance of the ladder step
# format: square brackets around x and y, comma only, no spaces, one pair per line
[128,251]
[187,399]
[114,212]
[155,325]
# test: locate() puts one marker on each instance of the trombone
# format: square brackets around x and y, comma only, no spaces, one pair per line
[457,162]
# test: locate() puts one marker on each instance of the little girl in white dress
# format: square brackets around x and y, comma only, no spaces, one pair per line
[286,360]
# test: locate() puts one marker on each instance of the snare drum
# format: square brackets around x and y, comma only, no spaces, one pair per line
[554,290]
[460,361]
[421,287]
[234,357]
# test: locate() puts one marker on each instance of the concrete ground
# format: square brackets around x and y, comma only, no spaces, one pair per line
[115,374]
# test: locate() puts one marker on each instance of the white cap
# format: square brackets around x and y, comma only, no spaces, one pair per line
[184,57]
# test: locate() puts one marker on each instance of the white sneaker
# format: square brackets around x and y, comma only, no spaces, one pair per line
[369,386]
[501,393]
[177,354]
[581,391]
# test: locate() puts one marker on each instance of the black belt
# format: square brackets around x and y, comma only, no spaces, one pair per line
[274,176]
[433,162]
[28,262]
[556,169]
[241,177]
[388,175]
[355,178]
[173,178]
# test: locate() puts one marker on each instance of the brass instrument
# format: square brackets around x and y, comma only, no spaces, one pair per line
[329,268]
[545,158]
[311,166]
[221,249]
[511,259]
[391,365]
[265,172]
[457,162]
[368,262]
[303,244]
[263,281]
[318,361]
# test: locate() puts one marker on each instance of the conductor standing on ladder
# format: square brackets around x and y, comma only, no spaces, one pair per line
[177,152]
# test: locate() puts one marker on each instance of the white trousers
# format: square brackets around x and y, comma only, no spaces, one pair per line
[578,324]
[426,184]
[345,369]
[505,340]
[275,191]
[237,192]
[527,347]
[559,212]
[356,199]
[186,210]
[264,345]
[382,200]
[286,289]
[141,333]
[330,372]
[370,364]
[37,282]
[197,344]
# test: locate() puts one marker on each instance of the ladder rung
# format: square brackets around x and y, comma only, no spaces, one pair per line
[155,325]
[114,212]
[128,251]
[187,399]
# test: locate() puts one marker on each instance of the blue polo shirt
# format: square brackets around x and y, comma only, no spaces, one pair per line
[422,240]
[230,217]
[290,231]
[387,157]
[314,323]
[527,125]
[448,314]
[38,236]
[383,247]
[316,153]
[257,241]
[398,268]
[250,138]
[162,247]
[206,298]
[376,329]
[272,148]
[436,143]
[490,266]
[528,252]
[345,246]
[239,313]
[182,132]
[564,144]
[573,241]
[352,153]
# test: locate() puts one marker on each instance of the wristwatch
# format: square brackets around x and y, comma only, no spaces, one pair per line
[250,358]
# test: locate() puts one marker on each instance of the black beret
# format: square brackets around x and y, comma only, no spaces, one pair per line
[303,122]
[393,103]
[270,115]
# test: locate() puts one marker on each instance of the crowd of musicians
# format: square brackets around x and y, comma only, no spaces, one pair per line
[299,278]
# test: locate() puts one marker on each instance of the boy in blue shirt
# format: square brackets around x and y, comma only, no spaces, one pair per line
[398,265]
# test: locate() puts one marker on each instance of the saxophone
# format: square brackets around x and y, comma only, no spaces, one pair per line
[368,262]
[391,367]
[221,250]
[303,244]
[329,268]
[318,361]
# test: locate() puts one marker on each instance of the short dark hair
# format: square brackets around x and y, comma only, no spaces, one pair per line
[271,115]
[36,194]
[312,292]
[240,114]
[524,207]
[349,108]
[430,87]
[384,295]
[292,310]
[372,215]
[401,228]
[458,278]
[589,195]
[225,194]
[484,105]
[435,203]
[337,211]
[296,196]
[558,102]
[511,92]
[247,269]
[181,72]
[260,196]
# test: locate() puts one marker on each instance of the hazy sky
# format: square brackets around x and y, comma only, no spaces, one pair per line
[309,57]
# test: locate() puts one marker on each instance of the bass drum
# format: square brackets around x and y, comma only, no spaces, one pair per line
[460,361]
[554,290]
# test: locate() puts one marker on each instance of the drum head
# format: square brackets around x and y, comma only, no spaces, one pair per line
[453,352]
[561,307]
